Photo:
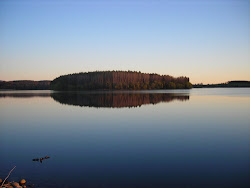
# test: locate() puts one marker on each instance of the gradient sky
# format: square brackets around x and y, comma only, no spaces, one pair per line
[207,40]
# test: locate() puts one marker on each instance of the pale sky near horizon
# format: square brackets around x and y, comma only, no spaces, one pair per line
[206,40]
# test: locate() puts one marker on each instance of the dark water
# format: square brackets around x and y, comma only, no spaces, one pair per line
[166,138]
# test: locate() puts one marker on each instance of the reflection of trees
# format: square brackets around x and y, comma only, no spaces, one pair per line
[115,100]
[110,100]
[24,95]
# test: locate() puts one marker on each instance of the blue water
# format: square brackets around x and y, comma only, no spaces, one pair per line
[165,138]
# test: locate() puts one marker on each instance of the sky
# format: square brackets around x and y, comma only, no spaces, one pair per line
[206,40]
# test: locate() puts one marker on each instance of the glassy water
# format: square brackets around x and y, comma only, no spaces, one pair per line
[165,138]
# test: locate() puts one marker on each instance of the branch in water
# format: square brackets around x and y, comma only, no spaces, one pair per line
[8,175]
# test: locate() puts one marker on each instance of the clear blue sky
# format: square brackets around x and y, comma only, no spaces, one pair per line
[207,40]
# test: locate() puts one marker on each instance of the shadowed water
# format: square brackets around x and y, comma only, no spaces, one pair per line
[115,100]
[177,138]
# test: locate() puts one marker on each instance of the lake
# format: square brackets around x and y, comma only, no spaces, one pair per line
[127,139]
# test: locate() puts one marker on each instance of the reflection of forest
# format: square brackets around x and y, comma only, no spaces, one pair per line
[24,95]
[115,100]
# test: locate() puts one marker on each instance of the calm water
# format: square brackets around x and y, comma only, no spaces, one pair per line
[166,138]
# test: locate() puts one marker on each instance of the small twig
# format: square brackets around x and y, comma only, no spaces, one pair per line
[8,175]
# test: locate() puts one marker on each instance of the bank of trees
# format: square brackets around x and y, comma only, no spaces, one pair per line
[25,85]
[119,80]
[227,84]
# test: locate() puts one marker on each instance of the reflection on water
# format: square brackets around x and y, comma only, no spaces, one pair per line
[103,99]
[24,95]
[115,100]
[200,143]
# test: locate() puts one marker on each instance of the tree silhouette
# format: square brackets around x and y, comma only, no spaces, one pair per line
[119,80]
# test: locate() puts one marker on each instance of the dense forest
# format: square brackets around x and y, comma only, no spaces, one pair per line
[114,100]
[25,85]
[228,84]
[118,80]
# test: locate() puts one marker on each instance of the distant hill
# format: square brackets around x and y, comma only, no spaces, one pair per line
[118,80]
[25,85]
[235,83]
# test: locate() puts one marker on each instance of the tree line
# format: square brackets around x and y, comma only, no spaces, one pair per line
[118,80]
[25,85]
[227,84]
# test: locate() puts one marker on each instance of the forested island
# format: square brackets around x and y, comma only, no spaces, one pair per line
[118,80]
[228,84]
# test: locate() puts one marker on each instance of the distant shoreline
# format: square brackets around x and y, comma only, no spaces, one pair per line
[45,85]
[230,84]
[200,87]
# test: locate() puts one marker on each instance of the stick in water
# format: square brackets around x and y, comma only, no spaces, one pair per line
[8,175]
